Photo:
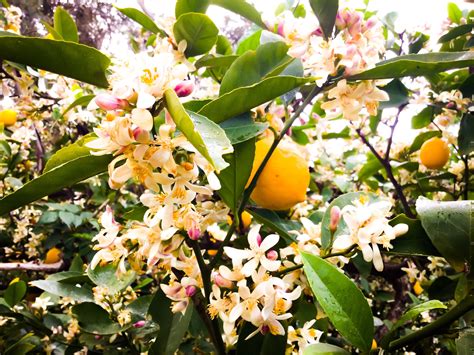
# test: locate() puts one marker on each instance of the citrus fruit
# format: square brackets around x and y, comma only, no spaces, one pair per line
[8,117]
[434,153]
[417,288]
[53,256]
[284,180]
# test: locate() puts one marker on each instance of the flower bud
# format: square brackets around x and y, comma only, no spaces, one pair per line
[281,29]
[194,233]
[109,102]
[139,324]
[318,32]
[191,290]
[335,215]
[184,88]
[221,281]
[265,329]
[259,239]
[272,255]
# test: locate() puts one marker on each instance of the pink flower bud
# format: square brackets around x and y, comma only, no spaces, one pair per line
[139,324]
[259,239]
[194,233]
[98,337]
[272,255]
[109,102]
[335,215]
[451,105]
[281,29]
[318,32]
[221,281]
[184,88]
[265,329]
[191,290]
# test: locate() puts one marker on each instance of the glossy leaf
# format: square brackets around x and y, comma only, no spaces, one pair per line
[206,136]
[253,66]
[341,300]
[68,153]
[449,226]
[397,92]
[242,128]
[244,99]
[456,32]
[241,8]
[107,276]
[141,18]
[94,319]
[414,242]
[70,59]
[64,289]
[199,32]
[271,220]
[417,65]
[325,11]
[423,118]
[249,43]
[211,61]
[15,292]
[184,6]
[466,134]
[324,349]
[62,176]
[234,178]
[65,25]
[422,138]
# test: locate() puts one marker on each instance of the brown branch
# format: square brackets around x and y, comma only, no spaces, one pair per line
[32,266]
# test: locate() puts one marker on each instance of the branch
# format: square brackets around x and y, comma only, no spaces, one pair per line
[32,267]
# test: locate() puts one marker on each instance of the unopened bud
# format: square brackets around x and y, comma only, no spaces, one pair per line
[98,337]
[335,217]
[191,291]
[281,28]
[272,255]
[141,135]
[265,329]
[451,105]
[184,88]
[110,103]
[139,324]
[194,233]
[318,32]
[221,281]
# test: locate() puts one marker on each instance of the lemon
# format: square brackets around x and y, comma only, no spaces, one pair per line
[417,288]
[53,256]
[374,345]
[284,180]
[8,117]
[434,153]
[245,219]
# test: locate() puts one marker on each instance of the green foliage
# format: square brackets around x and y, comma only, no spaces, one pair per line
[466,134]
[260,344]
[15,292]
[456,32]
[80,101]
[199,32]
[65,25]
[206,136]
[94,319]
[141,18]
[184,6]
[424,117]
[325,11]
[107,276]
[397,92]
[70,59]
[249,43]
[273,221]
[64,289]
[324,349]
[341,300]
[242,8]
[422,138]
[242,128]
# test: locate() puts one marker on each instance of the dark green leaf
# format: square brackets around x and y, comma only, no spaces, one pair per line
[94,319]
[341,300]
[417,65]
[275,223]
[241,128]
[206,136]
[253,66]
[397,92]
[422,138]
[184,6]
[324,349]
[136,213]
[449,226]
[65,25]
[234,178]
[414,242]
[15,292]
[418,42]
[199,32]
[456,32]
[244,99]
[465,342]
[242,8]
[143,19]
[108,277]
[423,118]
[325,11]
[63,289]
[466,134]
[70,59]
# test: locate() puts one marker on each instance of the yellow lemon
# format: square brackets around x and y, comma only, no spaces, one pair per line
[374,345]
[417,288]
[245,219]
[53,256]
[8,117]
[284,180]
[434,153]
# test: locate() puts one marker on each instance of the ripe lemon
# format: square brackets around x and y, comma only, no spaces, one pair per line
[417,288]
[245,219]
[284,180]
[53,256]
[8,117]
[434,153]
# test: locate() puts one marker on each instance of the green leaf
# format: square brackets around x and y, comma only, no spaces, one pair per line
[418,42]
[417,65]
[173,326]
[81,101]
[94,319]
[136,213]
[253,66]
[449,226]
[62,176]
[52,31]
[325,11]
[244,99]
[65,25]
[184,6]
[70,59]
[465,342]
[371,167]
[199,32]
[242,128]
[260,344]
[15,293]
[456,32]
[211,61]
[423,118]
[141,18]
[422,138]
[341,300]
[69,152]
[249,43]
[324,349]
[414,242]
[206,136]
[241,8]
[223,45]
[63,289]
[397,92]
[271,220]
[466,134]
[234,178]
[107,276]
[454,13]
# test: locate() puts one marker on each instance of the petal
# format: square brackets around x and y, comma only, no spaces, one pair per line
[269,241]
[253,236]
[145,100]
[249,267]
[142,118]
[378,261]
[270,265]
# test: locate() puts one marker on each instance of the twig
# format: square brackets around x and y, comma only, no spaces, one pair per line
[32,267]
